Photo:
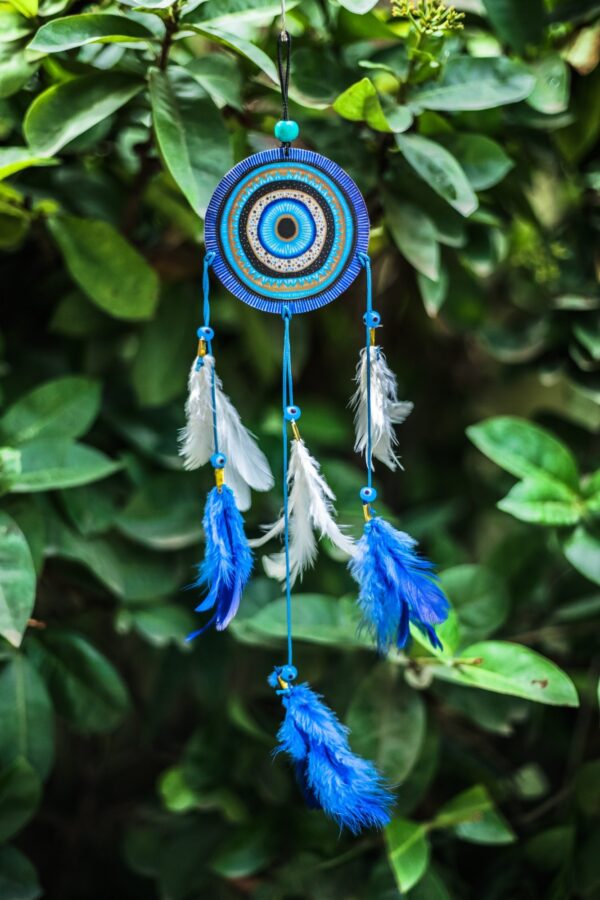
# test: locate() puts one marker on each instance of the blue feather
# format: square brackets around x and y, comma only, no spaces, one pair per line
[397,586]
[227,560]
[332,778]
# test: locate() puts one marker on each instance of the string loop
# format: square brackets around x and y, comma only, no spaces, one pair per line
[284,53]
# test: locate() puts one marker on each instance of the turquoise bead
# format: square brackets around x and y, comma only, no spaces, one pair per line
[286,130]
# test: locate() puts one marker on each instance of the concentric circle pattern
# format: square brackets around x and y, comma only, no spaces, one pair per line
[287,230]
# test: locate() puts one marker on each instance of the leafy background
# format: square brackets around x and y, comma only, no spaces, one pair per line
[132,765]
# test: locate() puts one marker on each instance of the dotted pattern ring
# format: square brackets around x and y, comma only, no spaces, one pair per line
[287,230]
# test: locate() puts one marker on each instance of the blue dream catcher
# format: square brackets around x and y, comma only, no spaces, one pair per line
[287,232]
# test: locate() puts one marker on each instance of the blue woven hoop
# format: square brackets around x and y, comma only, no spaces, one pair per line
[340,229]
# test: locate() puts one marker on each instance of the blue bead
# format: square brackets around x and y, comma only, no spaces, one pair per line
[286,130]
[289,673]
[218,460]
[368,494]
[205,333]
[293,413]
[372,319]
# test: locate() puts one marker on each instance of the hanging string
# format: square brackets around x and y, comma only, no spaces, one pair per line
[287,399]
[208,261]
[366,262]
[283,22]
[284,51]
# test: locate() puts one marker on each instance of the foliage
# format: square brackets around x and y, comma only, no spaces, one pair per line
[132,765]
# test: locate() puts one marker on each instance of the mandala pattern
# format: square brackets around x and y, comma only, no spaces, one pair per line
[287,230]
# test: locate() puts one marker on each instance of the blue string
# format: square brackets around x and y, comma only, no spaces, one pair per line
[369,457]
[287,394]
[208,261]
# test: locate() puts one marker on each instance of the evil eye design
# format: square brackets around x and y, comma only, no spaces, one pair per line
[287,230]
[287,227]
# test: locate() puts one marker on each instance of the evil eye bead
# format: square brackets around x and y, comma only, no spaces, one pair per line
[205,333]
[218,460]
[372,319]
[289,673]
[368,495]
[292,413]
[286,130]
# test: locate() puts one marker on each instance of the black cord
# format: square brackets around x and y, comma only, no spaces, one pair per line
[284,52]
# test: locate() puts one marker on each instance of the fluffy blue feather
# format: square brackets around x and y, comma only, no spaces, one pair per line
[332,778]
[397,586]
[227,560]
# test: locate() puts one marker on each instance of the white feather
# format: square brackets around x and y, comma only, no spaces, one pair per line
[196,439]
[247,466]
[386,409]
[311,512]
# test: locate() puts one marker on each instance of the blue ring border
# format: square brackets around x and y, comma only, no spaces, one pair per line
[354,196]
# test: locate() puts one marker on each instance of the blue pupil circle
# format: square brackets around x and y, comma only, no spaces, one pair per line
[286,228]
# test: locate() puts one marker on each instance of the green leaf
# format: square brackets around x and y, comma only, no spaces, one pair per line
[588,334]
[361,103]
[13,26]
[86,689]
[219,74]
[163,515]
[478,596]
[317,619]
[191,135]
[15,159]
[159,625]
[246,852]
[387,721]
[65,407]
[51,463]
[433,293]
[430,887]
[233,12]
[240,45]
[359,7]
[524,449]
[408,852]
[414,234]
[64,111]
[129,572]
[475,83]
[483,161]
[26,720]
[440,170]
[107,267]
[516,23]
[17,581]
[87,28]
[27,8]
[29,512]
[473,817]
[543,501]
[551,92]
[582,549]
[15,70]
[507,668]
[160,370]
[18,878]
[20,792]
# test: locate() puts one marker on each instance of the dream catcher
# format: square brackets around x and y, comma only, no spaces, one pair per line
[287,232]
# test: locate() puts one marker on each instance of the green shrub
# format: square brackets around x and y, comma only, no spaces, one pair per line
[135,765]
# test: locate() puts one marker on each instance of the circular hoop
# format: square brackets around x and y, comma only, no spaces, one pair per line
[287,230]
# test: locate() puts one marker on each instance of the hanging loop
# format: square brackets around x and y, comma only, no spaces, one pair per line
[284,52]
